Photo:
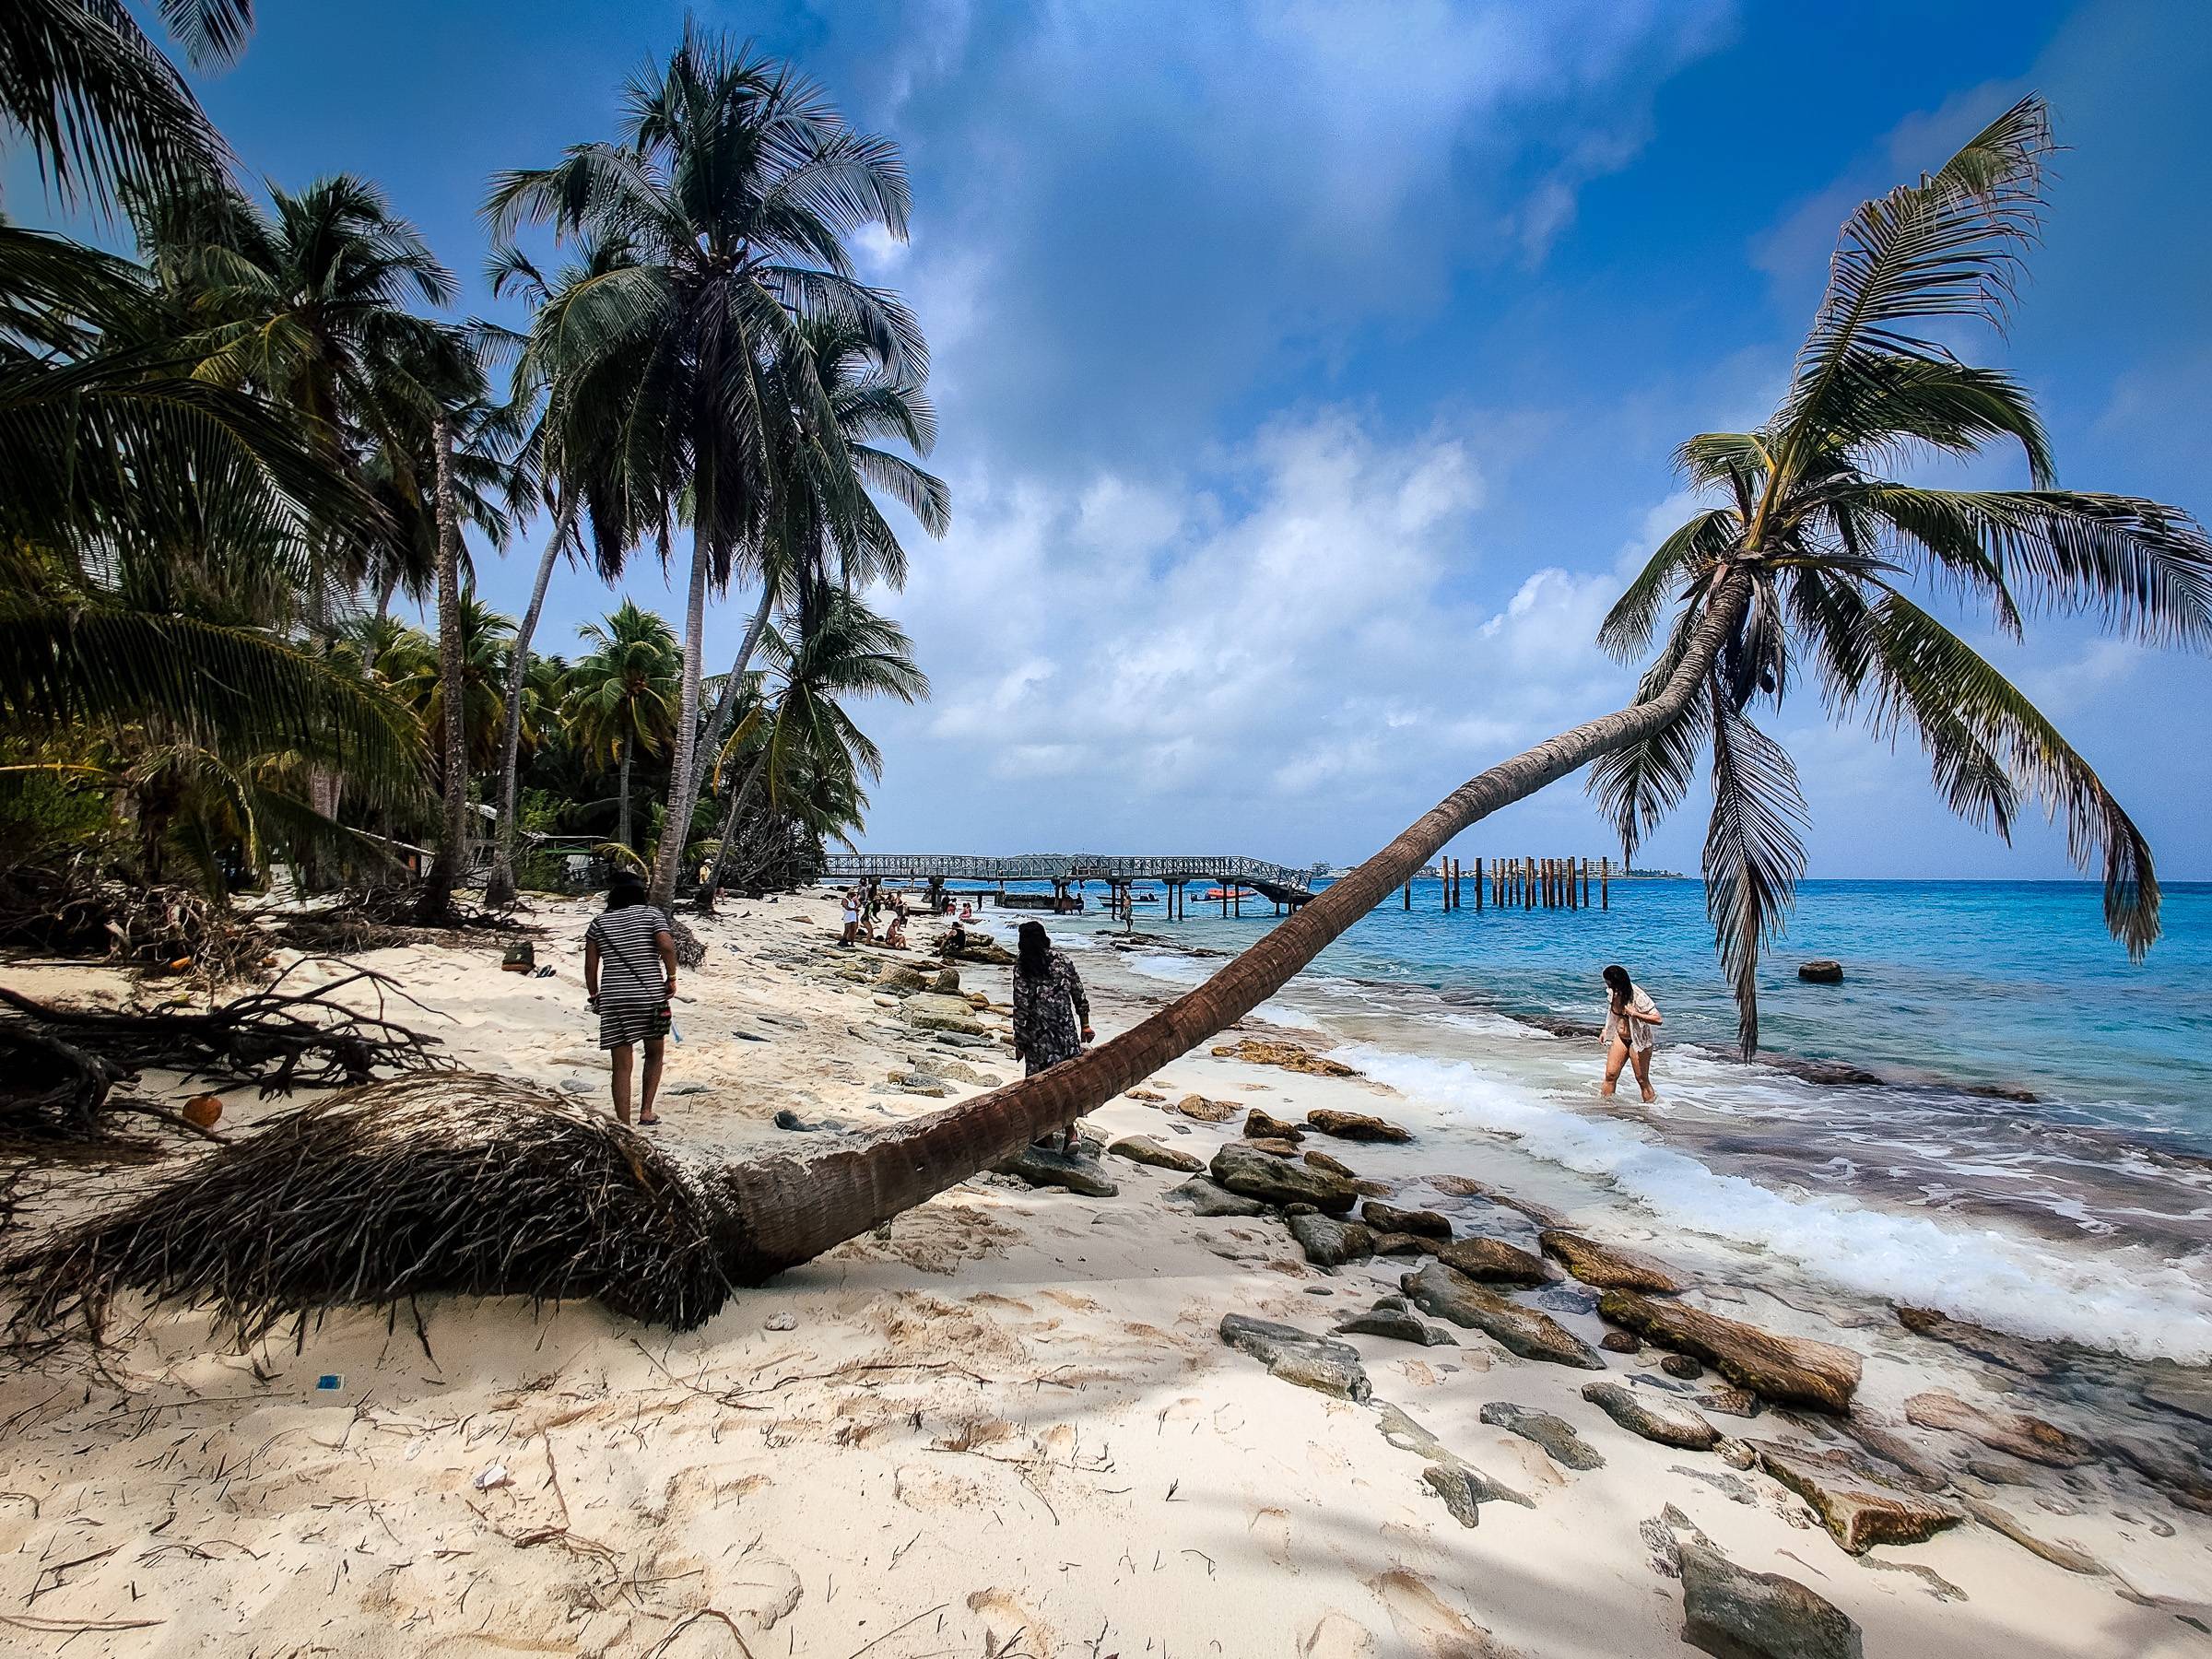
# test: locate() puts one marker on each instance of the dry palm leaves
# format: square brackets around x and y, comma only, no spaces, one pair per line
[76,907]
[450,1182]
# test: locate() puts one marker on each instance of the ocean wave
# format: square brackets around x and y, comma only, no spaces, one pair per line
[2128,1301]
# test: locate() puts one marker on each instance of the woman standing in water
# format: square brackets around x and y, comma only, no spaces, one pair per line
[1631,1018]
[1052,1014]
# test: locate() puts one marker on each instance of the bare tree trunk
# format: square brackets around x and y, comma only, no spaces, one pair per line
[622,823]
[725,706]
[445,869]
[788,1210]
[682,795]
[499,888]
[738,798]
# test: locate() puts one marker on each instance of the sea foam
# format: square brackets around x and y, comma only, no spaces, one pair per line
[2124,1300]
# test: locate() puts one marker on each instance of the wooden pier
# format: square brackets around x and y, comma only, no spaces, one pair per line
[1570,883]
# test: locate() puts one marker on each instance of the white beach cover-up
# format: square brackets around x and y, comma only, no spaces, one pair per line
[1640,1034]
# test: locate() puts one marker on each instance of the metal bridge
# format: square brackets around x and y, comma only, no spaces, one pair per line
[1271,881]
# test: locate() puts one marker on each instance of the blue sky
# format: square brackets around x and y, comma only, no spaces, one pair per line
[1309,374]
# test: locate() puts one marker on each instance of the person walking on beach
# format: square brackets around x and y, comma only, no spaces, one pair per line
[630,976]
[852,918]
[1052,1014]
[1631,1018]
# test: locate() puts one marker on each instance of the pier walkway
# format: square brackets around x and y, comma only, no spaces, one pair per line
[1275,882]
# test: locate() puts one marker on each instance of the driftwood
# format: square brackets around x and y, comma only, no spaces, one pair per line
[277,1038]
[446,1182]
[76,907]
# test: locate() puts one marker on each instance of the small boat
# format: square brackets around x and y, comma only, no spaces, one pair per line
[1217,894]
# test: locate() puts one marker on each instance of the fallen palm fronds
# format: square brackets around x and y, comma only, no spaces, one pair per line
[75,907]
[276,1038]
[448,1183]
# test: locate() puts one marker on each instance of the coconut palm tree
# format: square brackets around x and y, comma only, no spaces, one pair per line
[485,637]
[625,695]
[736,184]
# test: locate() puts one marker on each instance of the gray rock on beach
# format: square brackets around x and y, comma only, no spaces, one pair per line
[1299,1357]
[1858,1505]
[1389,1217]
[1465,1489]
[1391,1318]
[935,1011]
[1447,1293]
[1256,1174]
[1144,1149]
[1355,1126]
[1653,1417]
[1203,1197]
[1076,1172]
[1329,1242]
[1556,1435]
[1495,1260]
[1735,1613]
[1797,1370]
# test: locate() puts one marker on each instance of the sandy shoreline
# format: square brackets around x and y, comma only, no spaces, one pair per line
[1007,1425]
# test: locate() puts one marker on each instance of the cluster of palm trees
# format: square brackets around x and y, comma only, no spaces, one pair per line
[228,455]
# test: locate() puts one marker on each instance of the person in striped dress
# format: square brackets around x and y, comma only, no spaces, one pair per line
[630,975]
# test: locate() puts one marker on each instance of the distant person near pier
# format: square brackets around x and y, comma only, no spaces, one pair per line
[1052,1013]
[1631,1018]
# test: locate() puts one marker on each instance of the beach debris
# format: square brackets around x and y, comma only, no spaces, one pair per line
[1556,1435]
[1203,1197]
[1404,1244]
[1792,1369]
[1654,1416]
[337,1204]
[1256,1174]
[2013,1433]
[1389,1217]
[202,1110]
[1821,970]
[492,1477]
[2011,1353]
[2007,1524]
[1608,1267]
[1680,1367]
[1625,1341]
[786,1117]
[1077,1171]
[1260,1125]
[1391,1317]
[1355,1126]
[1736,1613]
[782,1322]
[1335,1166]
[1856,1503]
[1299,1357]
[931,1011]
[1443,1290]
[1329,1242]
[329,1383]
[1205,1110]
[1144,1149]
[1494,1260]
[1290,1056]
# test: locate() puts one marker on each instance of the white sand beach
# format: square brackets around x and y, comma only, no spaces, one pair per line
[1007,1424]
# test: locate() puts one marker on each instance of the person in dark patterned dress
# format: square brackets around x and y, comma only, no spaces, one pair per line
[1052,1014]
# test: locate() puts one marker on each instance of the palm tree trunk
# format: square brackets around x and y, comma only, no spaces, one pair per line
[789,1210]
[683,794]
[445,869]
[622,824]
[498,889]
[725,706]
[738,798]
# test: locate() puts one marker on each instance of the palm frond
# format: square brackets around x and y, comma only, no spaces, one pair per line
[1695,547]
[1754,856]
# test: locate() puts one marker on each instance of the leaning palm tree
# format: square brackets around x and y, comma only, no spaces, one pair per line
[736,184]
[624,696]
[1807,553]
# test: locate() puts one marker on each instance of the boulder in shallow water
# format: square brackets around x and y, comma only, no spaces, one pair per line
[1277,1181]
[1077,1171]
[1389,1217]
[1859,1508]
[1495,1261]
[1203,1197]
[1355,1126]
[1608,1267]
[1329,1242]
[1555,1434]
[1821,970]
[2012,1353]
[1654,1416]
[1144,1149]
[1447,1293]
[2013,1432]
[1298,1356]
[1404,1244]
[1288,1056]
[1735,1613]
[1335,1166]
[1796,1371]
